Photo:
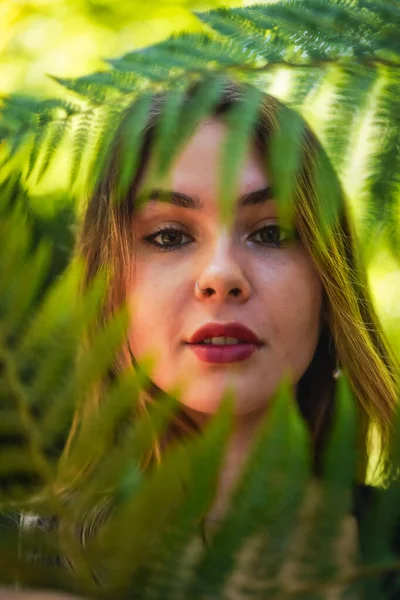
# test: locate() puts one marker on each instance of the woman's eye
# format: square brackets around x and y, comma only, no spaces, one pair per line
[170,238]
[270,234]
[166,239]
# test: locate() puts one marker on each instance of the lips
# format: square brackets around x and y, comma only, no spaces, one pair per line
[235,330]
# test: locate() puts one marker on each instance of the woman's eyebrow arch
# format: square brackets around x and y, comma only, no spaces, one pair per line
[157,196]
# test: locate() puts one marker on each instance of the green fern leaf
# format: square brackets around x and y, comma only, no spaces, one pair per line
[383,12]
[286,159]
[49,318]
[16,145]
[116,475]
[384,179]
[341,454]
[328,192]
[55,137]
[318,556]
[142,69]
[133,534]
[241,121]
[25,469]
[107,123]
[352,95]
[131,138]
[255,507]
[81,137]
[23,283]
[186,53]
[305,82]
[15,243]
[55,364]
[204,98]
[240,33]
[96,87]
[77,381]
[167,141]
[37,144]
[172,566]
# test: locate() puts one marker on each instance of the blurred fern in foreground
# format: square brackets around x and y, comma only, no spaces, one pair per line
[285,535]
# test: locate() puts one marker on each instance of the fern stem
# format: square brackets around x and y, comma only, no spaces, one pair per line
[368,61]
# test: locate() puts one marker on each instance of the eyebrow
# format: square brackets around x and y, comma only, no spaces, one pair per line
[158,196]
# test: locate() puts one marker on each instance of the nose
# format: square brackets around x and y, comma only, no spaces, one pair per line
[222,277]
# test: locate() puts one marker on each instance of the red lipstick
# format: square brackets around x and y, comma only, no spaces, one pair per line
[247,343]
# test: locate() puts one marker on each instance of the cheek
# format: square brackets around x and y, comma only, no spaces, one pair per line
[296,312]
[154,301]
[143,295]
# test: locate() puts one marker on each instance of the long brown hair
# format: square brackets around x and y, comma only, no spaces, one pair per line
[351,336]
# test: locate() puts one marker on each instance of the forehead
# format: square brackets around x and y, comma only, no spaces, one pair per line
[196,171]
[201,158]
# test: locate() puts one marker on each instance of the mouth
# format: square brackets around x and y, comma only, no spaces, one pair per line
[224,342]
[223,353]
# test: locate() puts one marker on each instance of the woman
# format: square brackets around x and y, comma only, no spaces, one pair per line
[238,304]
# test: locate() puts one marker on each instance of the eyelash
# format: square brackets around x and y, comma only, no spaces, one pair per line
[150,239]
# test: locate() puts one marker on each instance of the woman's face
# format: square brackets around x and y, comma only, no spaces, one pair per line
[251,279]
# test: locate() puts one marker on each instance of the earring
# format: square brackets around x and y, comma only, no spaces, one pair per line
[337,373]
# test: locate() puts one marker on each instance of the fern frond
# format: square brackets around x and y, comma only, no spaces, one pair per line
[171,567]
[242,33]
[285,161]
[167,140]
[282,532]
[255,506]
[22,287]
[186,54]
[240,122]
[340,457]
[39,137]
[96,88]
[106,123]
[17,111]
[384,179]
[323,547]
[205,96]
[121,445]
[147,72]
[78,382]
[63,292]
[336,29]
[80,141]
[56,134]
[131,138]
[50,354]
[27,469]
[26,121]
[352,92]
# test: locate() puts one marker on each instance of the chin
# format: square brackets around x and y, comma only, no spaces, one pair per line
[207,400]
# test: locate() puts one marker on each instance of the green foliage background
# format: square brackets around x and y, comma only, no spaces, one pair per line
[40,380]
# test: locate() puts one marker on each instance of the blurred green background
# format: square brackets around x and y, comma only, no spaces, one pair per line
[69,38]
